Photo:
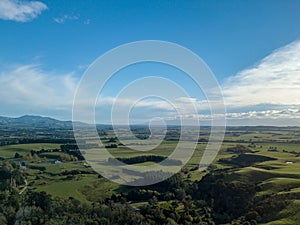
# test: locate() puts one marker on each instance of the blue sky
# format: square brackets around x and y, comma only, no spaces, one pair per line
[47,45]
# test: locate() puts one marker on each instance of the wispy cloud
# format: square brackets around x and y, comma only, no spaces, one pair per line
[87,21]
[143,110]
[271,117]
[267,93]
[270,114]
[184,104]
[28,87]
[147,109]
[274,80]
[21,11]
[64,18]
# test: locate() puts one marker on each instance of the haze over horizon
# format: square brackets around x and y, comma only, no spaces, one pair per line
[252,48]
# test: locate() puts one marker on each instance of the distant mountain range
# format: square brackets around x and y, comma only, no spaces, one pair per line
[34,121]
[30,121]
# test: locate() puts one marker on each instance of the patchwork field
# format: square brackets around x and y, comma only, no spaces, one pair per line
[268,157]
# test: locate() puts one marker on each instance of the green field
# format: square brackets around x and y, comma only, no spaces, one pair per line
[8,151]
[280,176]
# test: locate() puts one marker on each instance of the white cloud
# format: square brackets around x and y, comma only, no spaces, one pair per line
[148,108]
[274,80]
[64,18]
[28,87]
[87,21]
[20,11]
[184,104]
[271,117]
[270,114]
[268,93]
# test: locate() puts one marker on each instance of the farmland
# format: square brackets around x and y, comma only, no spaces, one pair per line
[265,157]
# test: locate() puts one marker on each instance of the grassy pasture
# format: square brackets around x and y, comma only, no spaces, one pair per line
[290,215]
[275,176]
[67,188]
[8,151]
